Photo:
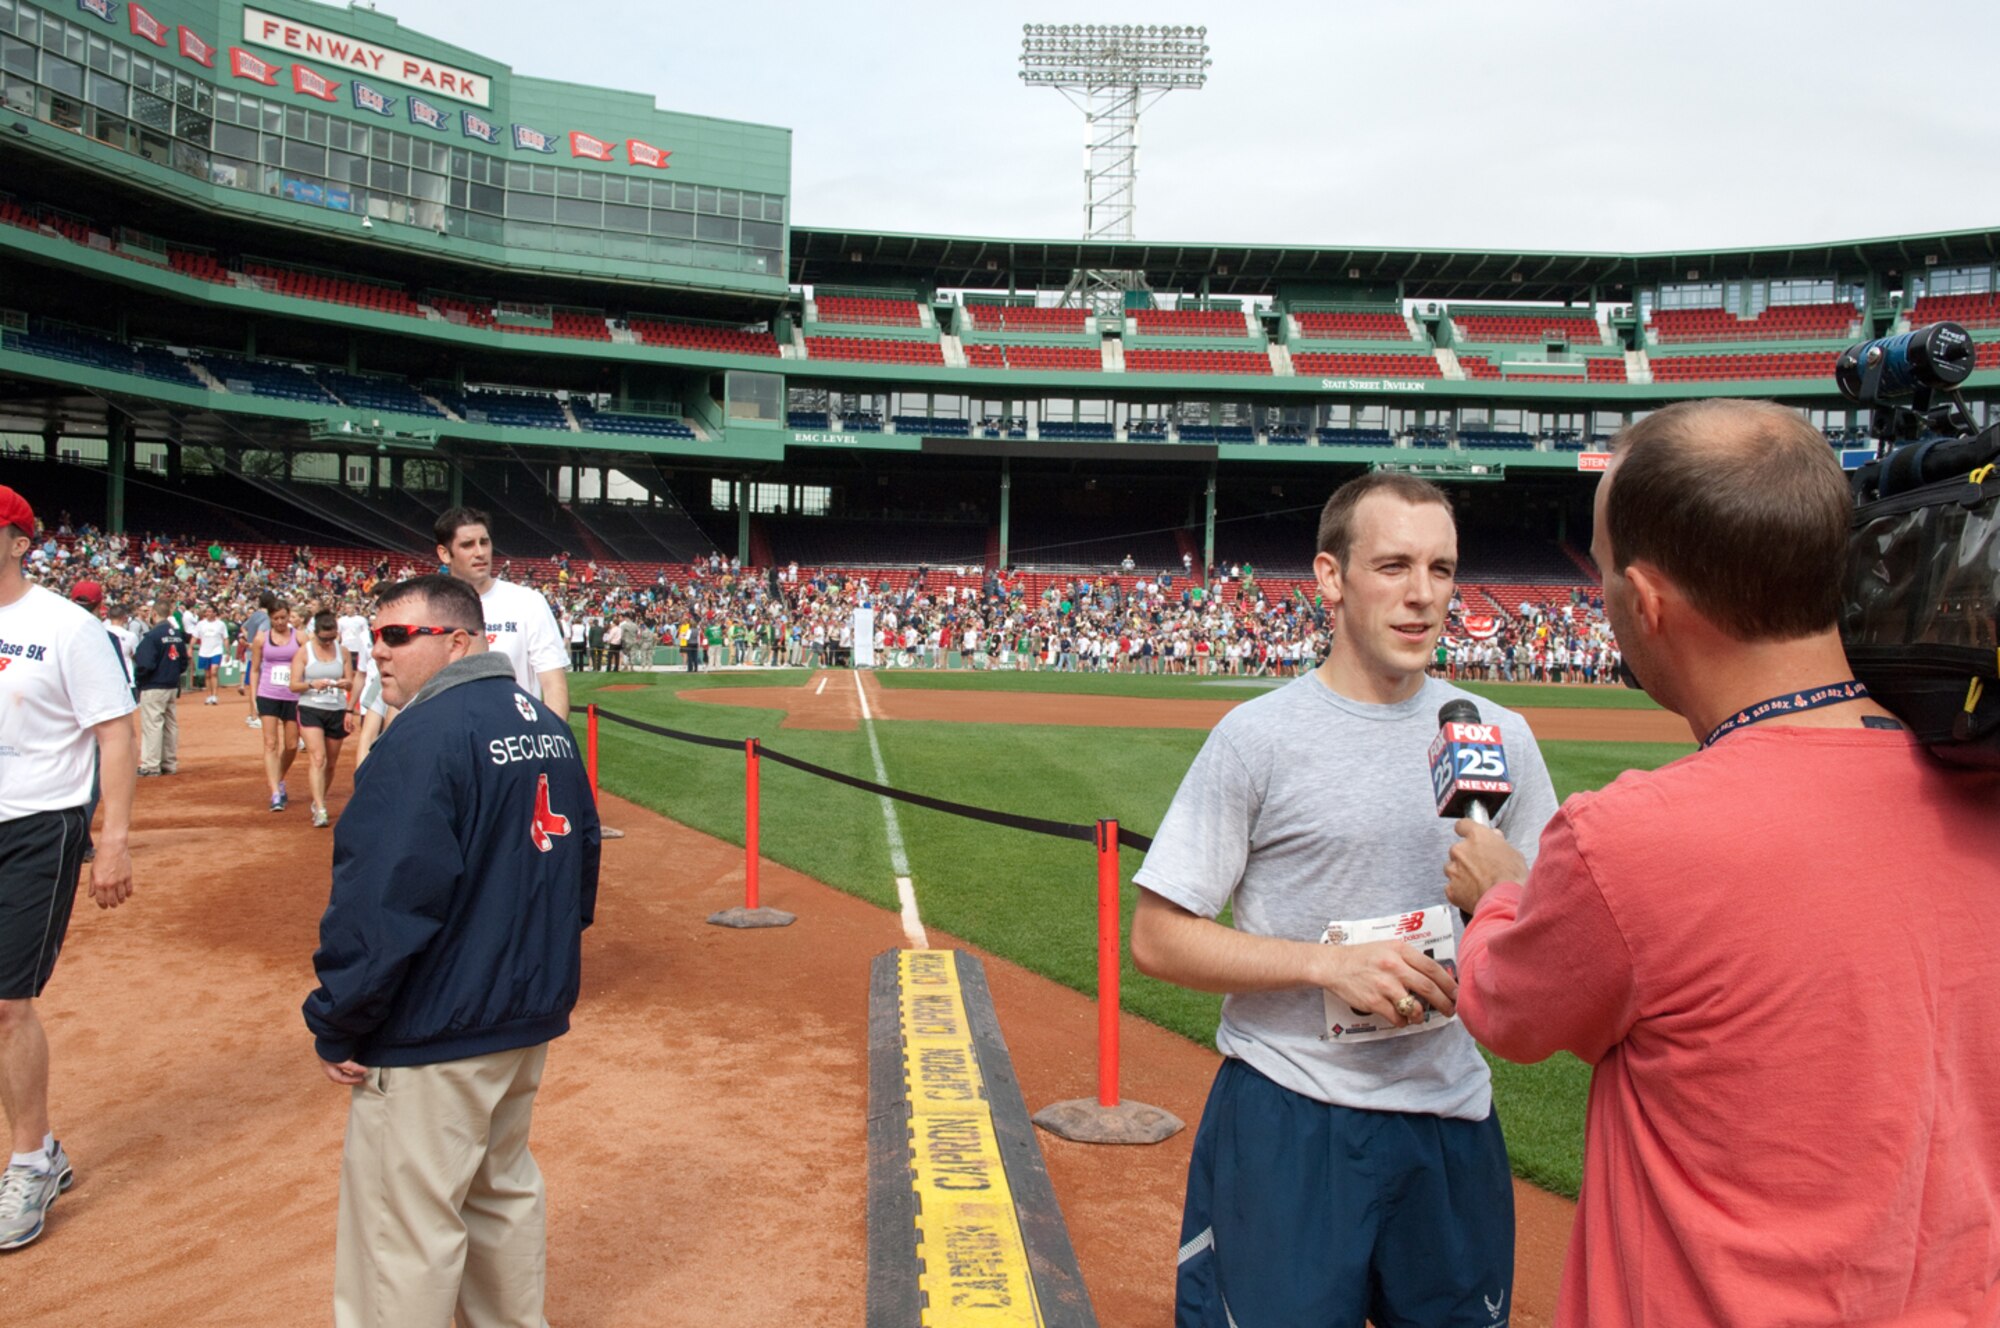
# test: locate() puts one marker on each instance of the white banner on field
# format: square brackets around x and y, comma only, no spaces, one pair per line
[864,638]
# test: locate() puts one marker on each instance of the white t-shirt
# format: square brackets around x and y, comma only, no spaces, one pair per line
[210,636]
[353,629]
[371,688]
[59,678]
[128,639]
[520,626]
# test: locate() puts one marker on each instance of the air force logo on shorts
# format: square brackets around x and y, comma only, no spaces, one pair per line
[525,706]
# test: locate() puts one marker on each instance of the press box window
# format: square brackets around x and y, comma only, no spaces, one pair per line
[756,396]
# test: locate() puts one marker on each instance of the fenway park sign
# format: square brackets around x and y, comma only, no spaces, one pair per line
[379,62]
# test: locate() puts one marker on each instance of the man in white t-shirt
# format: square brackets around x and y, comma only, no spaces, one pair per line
[353,628]
[211,638]
[519,624]
[64,700]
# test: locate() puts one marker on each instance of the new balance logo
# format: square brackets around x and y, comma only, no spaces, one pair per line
[549,824]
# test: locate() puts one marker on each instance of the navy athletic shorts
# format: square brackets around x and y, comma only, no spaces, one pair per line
[1301,1214]
[40,857]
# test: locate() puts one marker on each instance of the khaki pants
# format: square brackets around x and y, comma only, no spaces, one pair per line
[441,1204]
[159,731]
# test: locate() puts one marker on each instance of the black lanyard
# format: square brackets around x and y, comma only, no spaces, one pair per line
[1791,703]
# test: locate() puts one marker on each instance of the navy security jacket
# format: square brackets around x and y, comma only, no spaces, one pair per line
[464,873]
[159,657]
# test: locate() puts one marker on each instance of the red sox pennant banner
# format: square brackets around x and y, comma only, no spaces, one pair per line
[245,65]
[645,154]
[146,26]
[195,49]
[368,99]
[529,139]
[311,83]
[104,9]
[583,145]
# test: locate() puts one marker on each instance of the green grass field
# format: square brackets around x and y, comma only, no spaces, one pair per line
[1030,898]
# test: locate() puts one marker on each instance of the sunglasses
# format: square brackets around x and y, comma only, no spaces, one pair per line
[394,635]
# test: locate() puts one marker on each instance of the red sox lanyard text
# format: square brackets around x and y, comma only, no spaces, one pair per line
[1791,703]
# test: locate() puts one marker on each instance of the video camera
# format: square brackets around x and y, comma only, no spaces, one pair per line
[1920,605]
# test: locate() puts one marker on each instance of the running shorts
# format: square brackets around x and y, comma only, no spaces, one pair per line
[333,723]
[1302,1212]
[41,855]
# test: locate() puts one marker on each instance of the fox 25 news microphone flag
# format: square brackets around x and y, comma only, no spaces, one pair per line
[1468,765]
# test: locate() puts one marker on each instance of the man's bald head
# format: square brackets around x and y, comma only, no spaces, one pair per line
[1742,505]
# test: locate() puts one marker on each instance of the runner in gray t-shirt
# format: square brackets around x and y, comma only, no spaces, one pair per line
[1336,1180]
[1305,808]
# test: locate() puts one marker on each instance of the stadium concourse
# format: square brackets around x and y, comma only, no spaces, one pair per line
[716,613]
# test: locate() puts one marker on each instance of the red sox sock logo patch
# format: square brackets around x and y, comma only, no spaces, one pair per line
[548,823]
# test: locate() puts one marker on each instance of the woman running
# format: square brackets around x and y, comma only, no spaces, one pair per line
[323,679]
[271,655]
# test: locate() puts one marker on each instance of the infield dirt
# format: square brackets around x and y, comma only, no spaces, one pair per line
[702,1128]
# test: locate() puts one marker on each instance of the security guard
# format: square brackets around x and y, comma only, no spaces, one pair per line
[464,873]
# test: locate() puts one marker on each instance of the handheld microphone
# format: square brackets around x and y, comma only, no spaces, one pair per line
[1468,765]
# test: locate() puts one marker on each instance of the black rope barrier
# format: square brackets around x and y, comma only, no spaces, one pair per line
[1032,824]
[734,744]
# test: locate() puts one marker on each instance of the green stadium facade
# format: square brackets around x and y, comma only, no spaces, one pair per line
[298,268]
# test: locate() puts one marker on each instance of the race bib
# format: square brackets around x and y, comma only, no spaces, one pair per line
[281,675]
[1431,932]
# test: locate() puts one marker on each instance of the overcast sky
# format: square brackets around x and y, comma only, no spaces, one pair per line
[1441,123]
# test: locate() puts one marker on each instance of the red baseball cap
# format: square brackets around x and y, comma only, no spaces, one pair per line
[87,592]
[15,512]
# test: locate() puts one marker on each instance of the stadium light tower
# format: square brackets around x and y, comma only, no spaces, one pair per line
[1112,72]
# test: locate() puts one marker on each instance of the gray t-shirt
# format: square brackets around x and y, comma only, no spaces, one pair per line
[1305,808]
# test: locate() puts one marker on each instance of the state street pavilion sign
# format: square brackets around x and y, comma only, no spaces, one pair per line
[1372,385]
[412,71]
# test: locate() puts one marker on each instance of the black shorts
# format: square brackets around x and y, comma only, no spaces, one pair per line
[285,710]
[333,723]
[40,856]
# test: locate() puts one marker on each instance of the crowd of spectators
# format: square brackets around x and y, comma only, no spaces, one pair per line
[720,614]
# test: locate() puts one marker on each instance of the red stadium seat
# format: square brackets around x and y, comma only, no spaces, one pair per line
[1339,362]
[1384,325]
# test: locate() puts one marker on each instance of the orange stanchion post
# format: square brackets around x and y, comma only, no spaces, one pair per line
[1107,963]
[590,750]
[752,913]
[1108,1118]
[750,824]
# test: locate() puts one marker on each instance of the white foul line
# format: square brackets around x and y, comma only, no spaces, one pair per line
[822,687]
[899,861]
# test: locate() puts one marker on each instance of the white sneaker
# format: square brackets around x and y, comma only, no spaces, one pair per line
[25,1196]
[253,721]
[210,701]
